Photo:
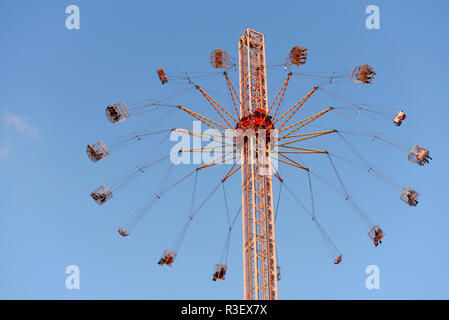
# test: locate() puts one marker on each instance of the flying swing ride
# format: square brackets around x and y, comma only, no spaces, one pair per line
[280,135]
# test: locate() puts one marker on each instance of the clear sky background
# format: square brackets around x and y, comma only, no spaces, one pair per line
[55,84]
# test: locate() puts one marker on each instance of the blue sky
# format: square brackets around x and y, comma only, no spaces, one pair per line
[55,84]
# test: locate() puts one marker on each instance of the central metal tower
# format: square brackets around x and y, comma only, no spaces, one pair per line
[259,249]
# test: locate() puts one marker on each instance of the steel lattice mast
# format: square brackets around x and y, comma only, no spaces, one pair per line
[259,249]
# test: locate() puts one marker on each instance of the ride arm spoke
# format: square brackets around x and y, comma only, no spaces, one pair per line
[202,118]
[302,152]
[231,172]
[231,90]
[206,136]
[216,161]
[291,162]
[295,108]
[207,149]
[214,104]
[305,122]
[283,89]
[203,135]
[276,173]
[305,136]
[303,149]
